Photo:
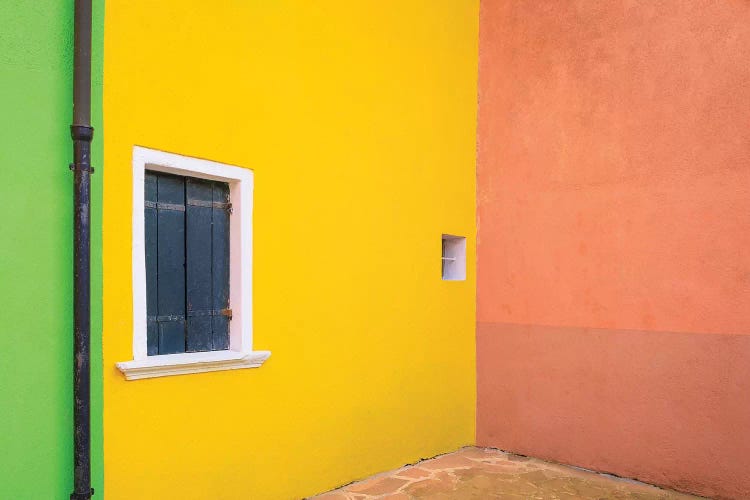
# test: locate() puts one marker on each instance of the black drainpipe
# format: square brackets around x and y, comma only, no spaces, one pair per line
[82,133]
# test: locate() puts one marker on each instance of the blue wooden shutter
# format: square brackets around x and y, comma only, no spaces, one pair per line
[187,264]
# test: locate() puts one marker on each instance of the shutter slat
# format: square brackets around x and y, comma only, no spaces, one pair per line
[171,264]
[151,228]
[220,265]
[198,244]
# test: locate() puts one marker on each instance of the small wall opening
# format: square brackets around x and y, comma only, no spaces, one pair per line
[453,261]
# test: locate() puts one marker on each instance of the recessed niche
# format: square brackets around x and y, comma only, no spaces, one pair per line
[453,258]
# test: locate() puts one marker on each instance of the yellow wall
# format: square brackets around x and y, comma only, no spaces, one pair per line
[358,118]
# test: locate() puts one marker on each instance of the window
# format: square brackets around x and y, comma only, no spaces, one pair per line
[187,264]
[192,266]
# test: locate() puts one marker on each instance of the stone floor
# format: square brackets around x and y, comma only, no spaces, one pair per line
[487,473]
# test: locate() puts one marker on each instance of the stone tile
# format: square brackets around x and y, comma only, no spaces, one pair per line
[412,473]
[535,477]
[479,454]
[499,467]
[379,486]
[428,488]
[332,496]
[451,461]
[361,485]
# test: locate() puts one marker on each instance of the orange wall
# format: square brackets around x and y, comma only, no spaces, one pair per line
[614,237]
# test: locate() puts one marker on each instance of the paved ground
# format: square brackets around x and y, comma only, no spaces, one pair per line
[478,473]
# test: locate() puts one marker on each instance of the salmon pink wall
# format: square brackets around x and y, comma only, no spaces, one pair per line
[614,237]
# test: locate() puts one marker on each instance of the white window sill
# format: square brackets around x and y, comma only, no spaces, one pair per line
[193,362]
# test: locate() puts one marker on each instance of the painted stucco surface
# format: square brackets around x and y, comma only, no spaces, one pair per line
[358,119]
[36,263]
[613,207]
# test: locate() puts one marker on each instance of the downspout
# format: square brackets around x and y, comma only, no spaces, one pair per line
[81,132]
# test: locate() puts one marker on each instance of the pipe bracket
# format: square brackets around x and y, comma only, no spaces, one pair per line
[82,136]
[82,168]
[82,133]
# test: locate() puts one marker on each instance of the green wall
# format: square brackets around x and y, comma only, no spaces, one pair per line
[36,41]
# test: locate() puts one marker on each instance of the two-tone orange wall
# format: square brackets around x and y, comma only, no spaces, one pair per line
[358,120]
[613,241]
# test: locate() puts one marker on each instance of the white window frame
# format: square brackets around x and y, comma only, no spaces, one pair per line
[240,353]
